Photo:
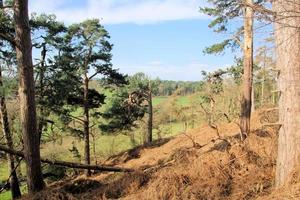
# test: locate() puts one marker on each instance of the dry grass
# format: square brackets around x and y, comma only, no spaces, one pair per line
[175,170]
[291,191]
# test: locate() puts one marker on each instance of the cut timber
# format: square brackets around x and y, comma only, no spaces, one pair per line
[70,164]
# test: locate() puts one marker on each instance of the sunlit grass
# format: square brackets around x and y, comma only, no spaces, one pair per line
[3,171]
[6,195]
[158,100]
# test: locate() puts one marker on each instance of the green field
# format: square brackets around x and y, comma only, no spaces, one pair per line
[181,100]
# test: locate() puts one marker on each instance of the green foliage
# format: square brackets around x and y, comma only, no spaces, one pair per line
[128,104]
[77,50]
[75,152]
[167,88]
[223,13]
[9,88]
[54,173]
[236,71]
[217,48]
[120,113]
[48,30]
[95,99]
[6,28]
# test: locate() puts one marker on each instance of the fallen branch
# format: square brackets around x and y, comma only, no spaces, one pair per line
[69,164]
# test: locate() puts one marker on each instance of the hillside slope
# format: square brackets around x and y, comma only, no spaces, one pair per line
[195,165]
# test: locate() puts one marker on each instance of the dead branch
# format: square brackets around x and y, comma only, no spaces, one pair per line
[69,164]
[195,144]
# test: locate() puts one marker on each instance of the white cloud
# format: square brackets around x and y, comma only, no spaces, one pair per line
[190,72]
[120,11]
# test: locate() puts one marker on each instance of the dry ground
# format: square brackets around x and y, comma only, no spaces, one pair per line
[197,165]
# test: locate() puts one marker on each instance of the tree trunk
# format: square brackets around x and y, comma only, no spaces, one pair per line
[86,131]
[150,118]
[253,98]
[14,182]
[27,97]
[287,37]
[263,79]
[248,68]
[41,121]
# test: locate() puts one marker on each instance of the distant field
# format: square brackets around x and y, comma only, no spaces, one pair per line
[158,100]
[105,145]
[182,100]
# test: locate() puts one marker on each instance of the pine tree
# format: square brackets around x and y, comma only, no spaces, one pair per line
[27,97]
[90,54]
[224,12]
[287,37]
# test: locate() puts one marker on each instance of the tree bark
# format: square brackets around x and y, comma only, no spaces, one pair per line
[287,37]
[27,97]
[13,181]
[86,124]
[150,118]
[69,164]
[248,68]
[41,121]
[253,98]
[263,78]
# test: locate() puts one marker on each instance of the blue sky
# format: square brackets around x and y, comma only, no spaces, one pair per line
[163,38]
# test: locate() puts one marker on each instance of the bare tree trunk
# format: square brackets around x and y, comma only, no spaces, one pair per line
[253,98]
[248,68]
[41,121]
[94,148]
[87,156]
[27,97]
[287,37]
[263,79]
[14,182]
[150,118]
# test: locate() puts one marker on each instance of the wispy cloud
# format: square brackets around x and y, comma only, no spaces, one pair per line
[189,72]
[120,11]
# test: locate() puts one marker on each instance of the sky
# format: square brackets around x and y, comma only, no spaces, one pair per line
[162,38]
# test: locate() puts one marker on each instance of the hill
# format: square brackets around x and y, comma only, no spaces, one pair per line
[193,165]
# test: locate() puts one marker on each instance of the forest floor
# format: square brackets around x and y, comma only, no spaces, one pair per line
[193,165]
